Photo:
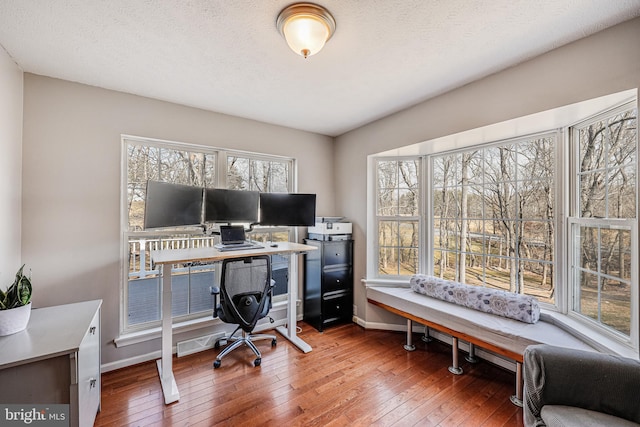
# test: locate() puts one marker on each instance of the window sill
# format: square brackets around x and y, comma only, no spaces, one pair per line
[595,339]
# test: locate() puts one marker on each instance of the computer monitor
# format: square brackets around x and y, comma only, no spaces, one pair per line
[172,205]
[230,205]
[290,209]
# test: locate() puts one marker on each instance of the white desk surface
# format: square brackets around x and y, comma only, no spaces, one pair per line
[51,332]
[178,256]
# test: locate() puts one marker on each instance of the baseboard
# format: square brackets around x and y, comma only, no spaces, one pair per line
[124,363]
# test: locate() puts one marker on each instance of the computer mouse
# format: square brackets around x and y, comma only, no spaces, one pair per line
[274,245]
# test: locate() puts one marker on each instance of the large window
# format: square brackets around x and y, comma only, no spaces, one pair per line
[603,225]
[493,216]
[552,214]
[147,159]
[398,216]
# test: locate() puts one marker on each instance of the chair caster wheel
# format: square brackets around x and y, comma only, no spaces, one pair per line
[274,342]
[216,364]
[217,345]
[257,362]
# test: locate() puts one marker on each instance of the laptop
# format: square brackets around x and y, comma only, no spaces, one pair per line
[232,237]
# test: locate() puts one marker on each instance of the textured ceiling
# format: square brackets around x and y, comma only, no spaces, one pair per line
[227,55]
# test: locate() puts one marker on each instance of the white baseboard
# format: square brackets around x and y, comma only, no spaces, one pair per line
[123,363]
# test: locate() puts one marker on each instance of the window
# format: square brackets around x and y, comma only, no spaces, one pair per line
[146,159]
[493,216]
[258,173]
[552,214]
[603,224]
[398,216]
[180,164]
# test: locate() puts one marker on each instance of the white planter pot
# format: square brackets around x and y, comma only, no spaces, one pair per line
[14,320]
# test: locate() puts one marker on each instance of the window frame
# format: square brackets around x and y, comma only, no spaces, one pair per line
[220,181]
[563,119]
[419,218]
[575,220]
[558,186]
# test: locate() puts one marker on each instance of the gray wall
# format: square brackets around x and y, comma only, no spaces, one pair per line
[11,87]
[71,234]
[604,63]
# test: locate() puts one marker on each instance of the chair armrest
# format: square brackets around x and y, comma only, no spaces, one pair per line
[589,380]
[215,291]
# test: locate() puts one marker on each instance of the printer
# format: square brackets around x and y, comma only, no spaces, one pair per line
[330,228]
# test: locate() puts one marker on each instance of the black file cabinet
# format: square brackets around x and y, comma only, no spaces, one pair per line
[328,283]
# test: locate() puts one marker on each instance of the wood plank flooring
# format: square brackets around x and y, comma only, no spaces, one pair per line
[353,377]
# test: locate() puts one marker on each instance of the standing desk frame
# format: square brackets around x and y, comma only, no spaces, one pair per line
[168,257]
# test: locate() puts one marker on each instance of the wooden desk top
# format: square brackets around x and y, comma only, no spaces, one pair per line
[178,256]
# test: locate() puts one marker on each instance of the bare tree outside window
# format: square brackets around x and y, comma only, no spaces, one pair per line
[607,183]
[267,176]
[398,210]
[493,216]
[191,165]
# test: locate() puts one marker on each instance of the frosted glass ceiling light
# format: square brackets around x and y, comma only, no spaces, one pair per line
[306,27]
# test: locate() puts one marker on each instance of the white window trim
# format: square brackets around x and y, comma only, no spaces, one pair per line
[632,339]
[558,222]
[375,256]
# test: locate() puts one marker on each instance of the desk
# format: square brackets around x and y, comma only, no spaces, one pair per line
[168,257]
[55,360]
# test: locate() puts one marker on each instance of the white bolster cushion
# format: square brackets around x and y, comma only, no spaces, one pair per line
[524,308]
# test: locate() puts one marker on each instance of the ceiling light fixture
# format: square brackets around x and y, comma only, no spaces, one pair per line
[306,27]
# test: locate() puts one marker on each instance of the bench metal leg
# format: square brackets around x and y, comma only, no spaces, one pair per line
[426,337]
[471,357]
[516,399]
[455,368]
[409,345]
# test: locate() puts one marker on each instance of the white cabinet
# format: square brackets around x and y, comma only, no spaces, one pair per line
[55,360]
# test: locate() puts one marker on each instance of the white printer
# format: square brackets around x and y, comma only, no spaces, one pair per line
[330,228]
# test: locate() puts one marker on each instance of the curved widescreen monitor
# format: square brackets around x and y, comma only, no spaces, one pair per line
[230,205]
[172,205]
[290,209]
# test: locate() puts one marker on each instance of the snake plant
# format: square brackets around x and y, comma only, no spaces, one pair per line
[18,294]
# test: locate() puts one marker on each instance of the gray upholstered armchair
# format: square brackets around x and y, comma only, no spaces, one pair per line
[565,387]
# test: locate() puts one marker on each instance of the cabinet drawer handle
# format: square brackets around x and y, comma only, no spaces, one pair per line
[92,382]
[92,330]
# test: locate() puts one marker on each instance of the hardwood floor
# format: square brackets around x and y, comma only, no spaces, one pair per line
[353,377]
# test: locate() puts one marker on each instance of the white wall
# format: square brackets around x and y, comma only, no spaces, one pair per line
[604,63]
[71,234]
[11,88]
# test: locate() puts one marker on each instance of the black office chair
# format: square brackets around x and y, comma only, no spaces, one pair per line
[244,298]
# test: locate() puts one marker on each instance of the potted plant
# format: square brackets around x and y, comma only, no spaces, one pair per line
[15,305]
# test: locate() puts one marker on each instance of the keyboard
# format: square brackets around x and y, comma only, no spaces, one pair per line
[237,246]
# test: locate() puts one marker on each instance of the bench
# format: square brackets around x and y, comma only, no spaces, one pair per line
[500,335]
